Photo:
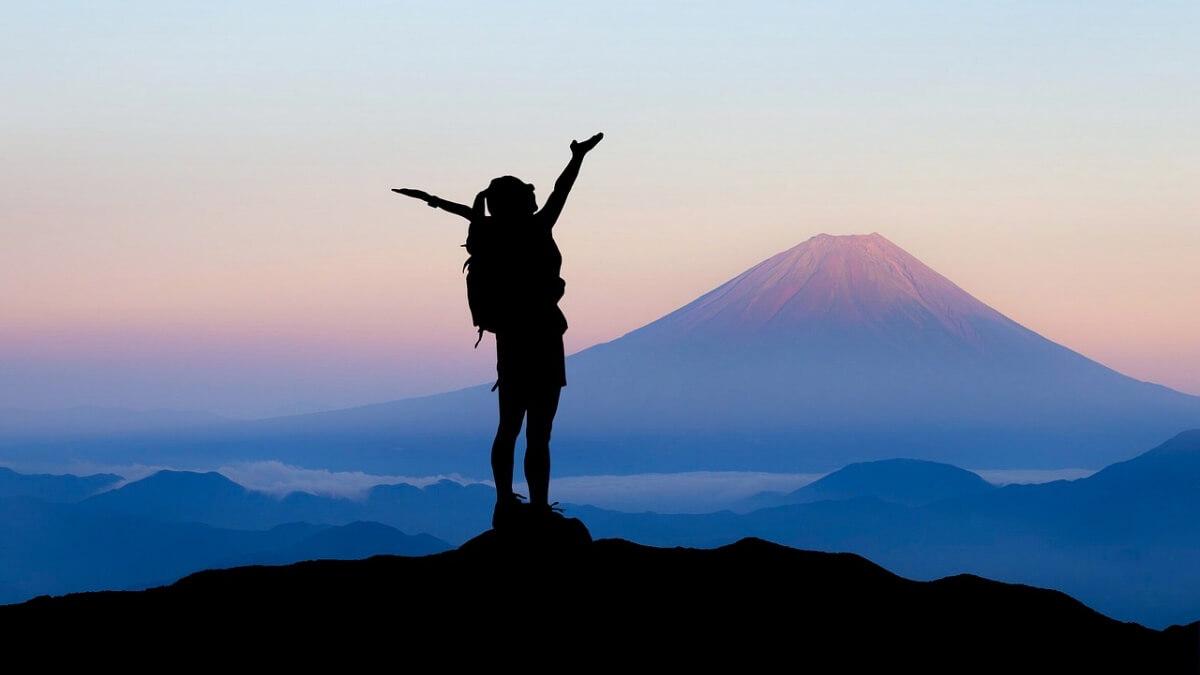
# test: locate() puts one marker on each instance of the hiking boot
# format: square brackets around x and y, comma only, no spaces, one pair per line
[507,511]
[546,511]
[555,530]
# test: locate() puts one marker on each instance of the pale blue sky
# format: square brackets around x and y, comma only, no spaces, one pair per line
[195,209]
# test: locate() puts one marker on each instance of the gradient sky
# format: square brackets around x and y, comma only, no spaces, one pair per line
[195,204]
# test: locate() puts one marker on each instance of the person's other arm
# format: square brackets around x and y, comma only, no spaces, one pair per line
[468,212]
[562,187]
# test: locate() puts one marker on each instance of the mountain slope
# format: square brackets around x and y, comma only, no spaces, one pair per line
[838,285]
[844,343]
[355,541]
[92,420]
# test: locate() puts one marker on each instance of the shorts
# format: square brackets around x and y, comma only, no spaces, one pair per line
[530,361]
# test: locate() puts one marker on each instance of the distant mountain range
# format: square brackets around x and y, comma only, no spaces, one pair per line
[450,511]
[156,530]
[1125,541]
[54,487]
[611,604]
[841,349]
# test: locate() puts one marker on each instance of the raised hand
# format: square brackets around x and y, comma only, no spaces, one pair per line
[582,147]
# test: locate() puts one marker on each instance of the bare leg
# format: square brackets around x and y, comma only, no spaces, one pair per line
[542,407]
[512,412]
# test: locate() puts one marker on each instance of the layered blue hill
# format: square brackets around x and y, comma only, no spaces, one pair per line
[904,481]
[355,541]
[447,510]
[57,548]
[1126,540]
[54,487]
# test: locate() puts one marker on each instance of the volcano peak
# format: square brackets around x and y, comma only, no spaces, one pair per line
[858,282]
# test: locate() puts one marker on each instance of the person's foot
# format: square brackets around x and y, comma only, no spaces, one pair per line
[544,512]
[506,511]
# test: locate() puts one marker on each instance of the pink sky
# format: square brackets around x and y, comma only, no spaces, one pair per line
[196,213]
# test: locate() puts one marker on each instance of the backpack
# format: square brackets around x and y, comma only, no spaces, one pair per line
[498,284]
[483,268]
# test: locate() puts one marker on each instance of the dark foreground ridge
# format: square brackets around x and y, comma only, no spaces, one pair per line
[556,594]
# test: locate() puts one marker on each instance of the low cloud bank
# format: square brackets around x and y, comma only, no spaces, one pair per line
[692,492]
[1010,476]
[277,478]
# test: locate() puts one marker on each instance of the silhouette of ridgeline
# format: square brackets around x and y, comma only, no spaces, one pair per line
[610,602]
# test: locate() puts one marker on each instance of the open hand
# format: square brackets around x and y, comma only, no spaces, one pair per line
[416,194]
[581,147]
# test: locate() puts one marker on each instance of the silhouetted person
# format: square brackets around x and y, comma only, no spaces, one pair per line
[525,287]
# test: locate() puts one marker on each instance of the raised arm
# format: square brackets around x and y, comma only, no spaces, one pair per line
[562,187]
[468,212]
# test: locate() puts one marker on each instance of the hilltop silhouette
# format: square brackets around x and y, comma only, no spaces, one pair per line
[611,602]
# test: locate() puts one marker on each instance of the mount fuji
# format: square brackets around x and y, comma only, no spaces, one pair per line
[841,349]
[847,348]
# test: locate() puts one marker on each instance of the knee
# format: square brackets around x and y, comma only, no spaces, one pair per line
[538,436]
[506,434]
